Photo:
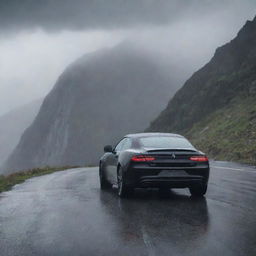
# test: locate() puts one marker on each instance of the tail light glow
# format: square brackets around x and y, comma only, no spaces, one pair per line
[199,158]
[142,158]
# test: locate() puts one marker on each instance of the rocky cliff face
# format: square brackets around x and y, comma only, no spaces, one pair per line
[12,126]
[97,100]
[216,106]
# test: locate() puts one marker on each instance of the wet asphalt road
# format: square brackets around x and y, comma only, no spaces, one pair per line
[65,213]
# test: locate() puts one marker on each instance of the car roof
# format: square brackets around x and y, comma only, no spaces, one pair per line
[153,134]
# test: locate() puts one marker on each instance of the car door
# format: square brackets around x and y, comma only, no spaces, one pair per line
[126,144]
[113,161]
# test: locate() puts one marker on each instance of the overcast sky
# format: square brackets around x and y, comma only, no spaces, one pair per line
[39,38]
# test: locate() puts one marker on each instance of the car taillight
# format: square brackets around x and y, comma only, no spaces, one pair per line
[199,158]
[142,158]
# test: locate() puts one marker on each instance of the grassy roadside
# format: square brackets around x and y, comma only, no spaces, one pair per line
[230,133]
[7,182]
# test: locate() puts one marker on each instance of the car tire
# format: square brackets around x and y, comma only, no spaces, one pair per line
[104,184]
[123,190]
[198,191]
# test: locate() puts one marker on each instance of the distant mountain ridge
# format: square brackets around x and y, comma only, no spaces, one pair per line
[216,107]
[98,99]
[12,126]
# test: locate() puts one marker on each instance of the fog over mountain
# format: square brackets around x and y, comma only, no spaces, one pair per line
[31,62]
[12,126]
[97,100]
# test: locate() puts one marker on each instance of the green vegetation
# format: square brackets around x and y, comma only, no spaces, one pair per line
[229,133]
[7,182]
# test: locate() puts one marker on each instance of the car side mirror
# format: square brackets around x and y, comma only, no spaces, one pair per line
[108,148]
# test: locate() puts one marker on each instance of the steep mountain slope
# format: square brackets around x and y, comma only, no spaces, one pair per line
[97,100]
[12,126]
[216,106]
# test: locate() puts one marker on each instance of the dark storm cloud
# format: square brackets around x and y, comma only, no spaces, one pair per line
[92,14]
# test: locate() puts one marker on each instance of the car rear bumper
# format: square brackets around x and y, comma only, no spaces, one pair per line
[172,178]
[172,182]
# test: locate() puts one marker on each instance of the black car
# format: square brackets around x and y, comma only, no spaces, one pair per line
[154,160]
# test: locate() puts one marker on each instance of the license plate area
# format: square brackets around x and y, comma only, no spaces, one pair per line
[172,173]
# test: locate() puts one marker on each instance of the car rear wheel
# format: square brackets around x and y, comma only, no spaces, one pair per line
[198,190]
[123,189]
[104,184]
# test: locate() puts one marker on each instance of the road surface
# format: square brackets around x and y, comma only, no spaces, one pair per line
[65,213]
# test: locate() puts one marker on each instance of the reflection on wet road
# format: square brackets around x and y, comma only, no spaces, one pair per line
[65,213]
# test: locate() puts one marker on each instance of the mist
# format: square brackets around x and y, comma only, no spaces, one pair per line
[35,49]
[31,62]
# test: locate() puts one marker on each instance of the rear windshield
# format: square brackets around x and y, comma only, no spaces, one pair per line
[165,142]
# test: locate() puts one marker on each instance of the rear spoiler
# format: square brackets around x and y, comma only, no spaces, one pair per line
[169,149]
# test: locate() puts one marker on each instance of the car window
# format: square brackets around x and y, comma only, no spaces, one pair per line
[120,145]
[165,142]
[127,144]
